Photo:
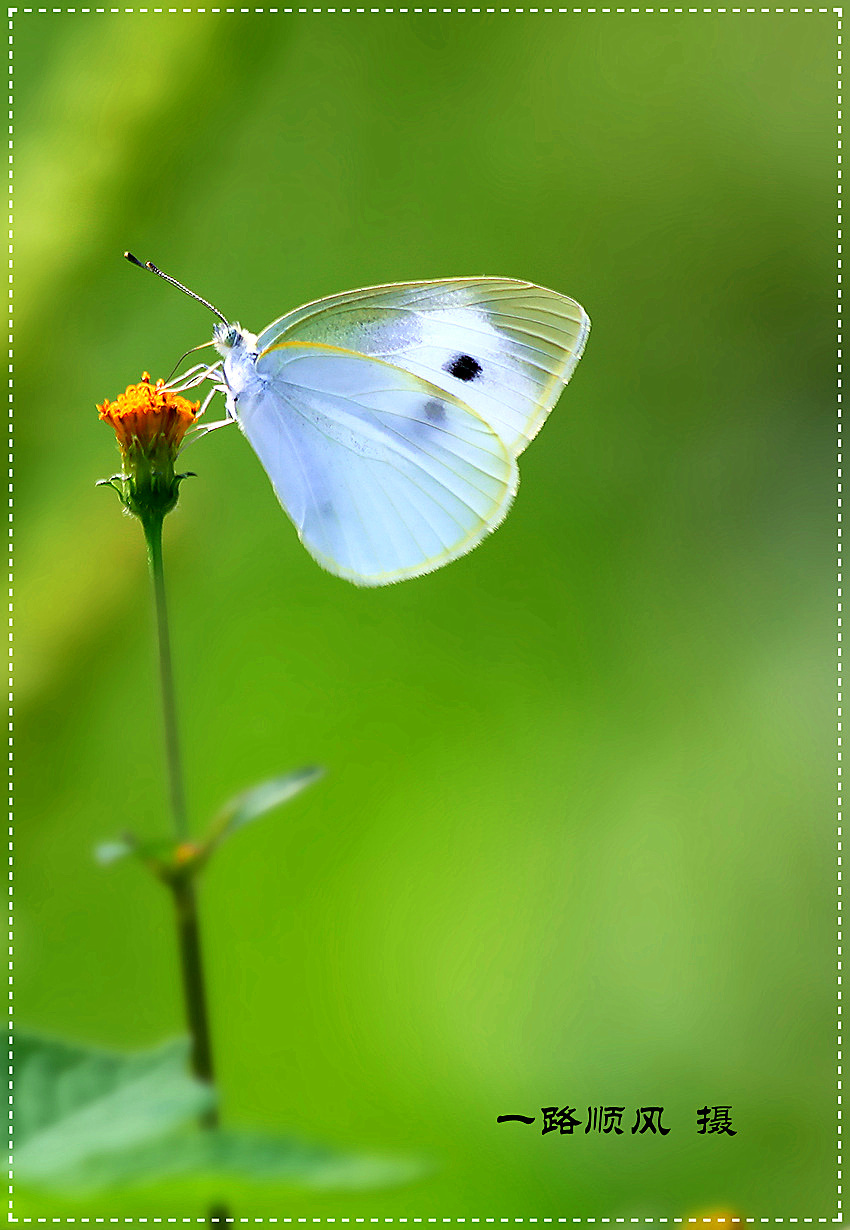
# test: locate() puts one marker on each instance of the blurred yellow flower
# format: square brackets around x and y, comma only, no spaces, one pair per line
[716,1219]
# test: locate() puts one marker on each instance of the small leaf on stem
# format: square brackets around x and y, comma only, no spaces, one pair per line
[109,852]
[258,800]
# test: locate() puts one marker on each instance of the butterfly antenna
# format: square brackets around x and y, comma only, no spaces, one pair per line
[134,260]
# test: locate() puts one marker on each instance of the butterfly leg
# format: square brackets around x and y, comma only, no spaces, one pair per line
[202,429]
[195,375]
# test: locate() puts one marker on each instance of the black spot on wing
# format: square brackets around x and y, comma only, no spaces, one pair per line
[463,367]
[435,411]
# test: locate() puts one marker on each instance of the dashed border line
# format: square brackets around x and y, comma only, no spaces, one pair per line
[839,672]
[386,1220]
[834,11]
[10,480]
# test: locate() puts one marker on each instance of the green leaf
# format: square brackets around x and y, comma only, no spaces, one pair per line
[74,1105]
[245,1155]
[87,1119]
[159,851]
[111,851]
[170,860]
[260,799]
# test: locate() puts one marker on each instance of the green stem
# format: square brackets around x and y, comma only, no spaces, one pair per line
[189,939]
[182,888]
[153,537]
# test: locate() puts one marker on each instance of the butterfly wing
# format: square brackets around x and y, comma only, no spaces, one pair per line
[505,348]
[384,475]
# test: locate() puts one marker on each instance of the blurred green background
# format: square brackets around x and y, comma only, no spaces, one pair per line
[575,845]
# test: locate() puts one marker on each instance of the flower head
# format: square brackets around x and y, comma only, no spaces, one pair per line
[150,422]
[145,412]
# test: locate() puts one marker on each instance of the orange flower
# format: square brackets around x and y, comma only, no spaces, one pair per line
[150,422]
[145,413]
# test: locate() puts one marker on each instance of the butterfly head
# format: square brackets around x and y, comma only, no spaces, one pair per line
[226,337]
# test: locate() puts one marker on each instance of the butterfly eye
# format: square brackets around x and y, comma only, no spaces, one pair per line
[227,335]
[463,367]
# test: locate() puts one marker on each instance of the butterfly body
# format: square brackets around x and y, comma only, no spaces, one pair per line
[390,419]
[238,349]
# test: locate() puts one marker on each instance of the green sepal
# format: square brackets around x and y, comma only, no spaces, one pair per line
[111,482]
[152,487]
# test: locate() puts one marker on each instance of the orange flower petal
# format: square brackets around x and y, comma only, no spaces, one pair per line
[147,413]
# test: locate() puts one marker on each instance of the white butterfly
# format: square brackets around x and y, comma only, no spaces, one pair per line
[390,419]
